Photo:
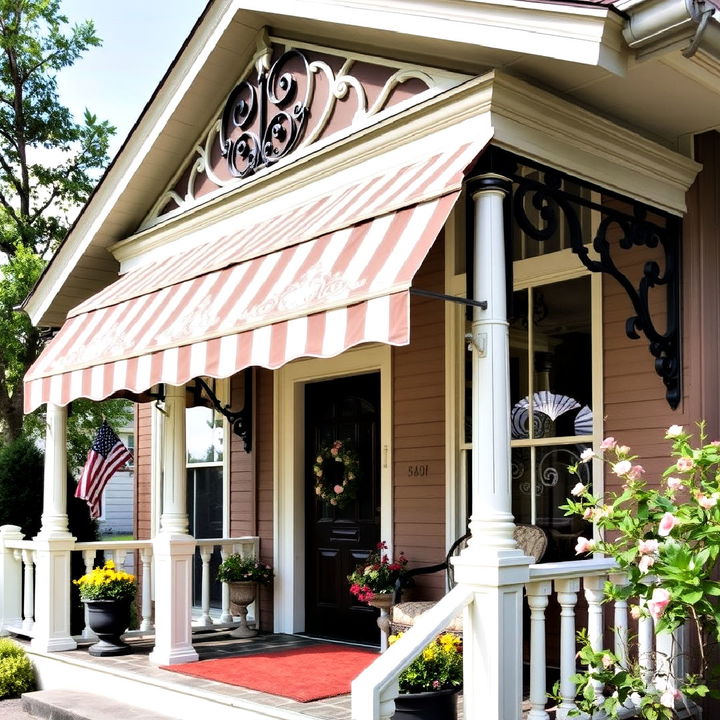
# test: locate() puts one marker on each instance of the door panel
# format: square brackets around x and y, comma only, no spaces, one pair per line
[337,539]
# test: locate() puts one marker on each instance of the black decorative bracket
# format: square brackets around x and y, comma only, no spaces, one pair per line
[240,420]
[624,224]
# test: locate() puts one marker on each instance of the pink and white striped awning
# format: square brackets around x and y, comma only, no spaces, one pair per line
[311,281]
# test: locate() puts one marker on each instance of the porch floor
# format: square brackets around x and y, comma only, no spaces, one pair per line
[210,646]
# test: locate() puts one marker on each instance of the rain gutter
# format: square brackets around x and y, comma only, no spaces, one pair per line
[658,26]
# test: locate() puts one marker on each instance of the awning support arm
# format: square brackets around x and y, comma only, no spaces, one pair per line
[240,420]
[482,304]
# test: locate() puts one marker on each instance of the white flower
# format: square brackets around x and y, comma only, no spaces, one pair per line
[674,431]
[586,455]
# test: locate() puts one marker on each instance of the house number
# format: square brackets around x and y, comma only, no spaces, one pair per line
[418,470]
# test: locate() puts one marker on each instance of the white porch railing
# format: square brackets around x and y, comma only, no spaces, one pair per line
[17,577]
[374,691]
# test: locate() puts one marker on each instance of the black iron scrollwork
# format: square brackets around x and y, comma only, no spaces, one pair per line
[272,109]
[556,206]
[240,420]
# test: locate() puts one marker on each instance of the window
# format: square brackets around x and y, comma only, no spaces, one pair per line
[206,437]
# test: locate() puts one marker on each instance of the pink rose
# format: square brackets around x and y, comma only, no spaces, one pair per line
[706,502]
[715,443]
[674,483]
[669,696]
[648,547]
[674,431]
[579,489]
[658,603]
[584,545]
[586,455]
[608,443]
[667,523]
[338,489]
[622,467]
[333,451]
[684,464]
[588,513]
[635,472]
[646,562]
[623,449]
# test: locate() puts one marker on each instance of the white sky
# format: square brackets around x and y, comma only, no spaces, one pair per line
[140,39]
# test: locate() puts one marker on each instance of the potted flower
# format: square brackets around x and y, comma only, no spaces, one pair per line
[666,539]
[243,574]
[107,594]
[430,684]
[374,579]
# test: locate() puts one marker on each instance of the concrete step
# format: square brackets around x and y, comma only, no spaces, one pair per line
[74,705]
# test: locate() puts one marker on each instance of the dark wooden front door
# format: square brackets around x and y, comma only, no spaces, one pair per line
[338,539]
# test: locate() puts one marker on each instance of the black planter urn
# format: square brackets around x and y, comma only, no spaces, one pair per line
[108,619]
[430,705]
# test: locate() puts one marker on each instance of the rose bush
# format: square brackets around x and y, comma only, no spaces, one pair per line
[666,539]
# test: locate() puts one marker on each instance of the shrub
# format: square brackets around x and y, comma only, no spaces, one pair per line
[16,672]
[236,568]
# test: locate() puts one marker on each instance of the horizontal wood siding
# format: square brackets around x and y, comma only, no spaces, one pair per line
[243,508]
[418,378]
[263,450]
[143,445]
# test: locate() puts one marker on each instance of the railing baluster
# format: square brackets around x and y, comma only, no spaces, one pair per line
[567,590]
[205,555]
[226,615]
[89,560]
[29,591]
[620,621]
[146,602]
[646,650]
[537,596]
[594,595]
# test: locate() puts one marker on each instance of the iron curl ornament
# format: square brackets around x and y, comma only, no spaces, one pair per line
[555,209]
[273,109]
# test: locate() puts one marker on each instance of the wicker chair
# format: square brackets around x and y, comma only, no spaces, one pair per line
[531,539]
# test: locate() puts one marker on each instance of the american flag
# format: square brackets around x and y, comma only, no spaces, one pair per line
[106,456]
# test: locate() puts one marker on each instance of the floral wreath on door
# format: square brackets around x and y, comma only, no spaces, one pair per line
[334,490]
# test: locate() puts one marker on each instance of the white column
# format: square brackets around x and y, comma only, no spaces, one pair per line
[537,595]
[54,543]
[11,580]
[492,564]
[173,548]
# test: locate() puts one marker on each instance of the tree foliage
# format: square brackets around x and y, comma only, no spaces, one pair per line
[47,166]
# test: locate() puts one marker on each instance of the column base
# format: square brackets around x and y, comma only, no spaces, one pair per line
[176,657]
[53,644]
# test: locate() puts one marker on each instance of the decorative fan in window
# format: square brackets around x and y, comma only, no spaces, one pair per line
[547,407]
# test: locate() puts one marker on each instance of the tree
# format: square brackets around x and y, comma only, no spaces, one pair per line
[47,166]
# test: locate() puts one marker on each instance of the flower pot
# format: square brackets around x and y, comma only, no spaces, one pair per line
[242,594]
[109,619]
[382,601]
[431,705]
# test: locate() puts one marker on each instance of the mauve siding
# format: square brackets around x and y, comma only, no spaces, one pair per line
[143,444]
[419,429]
[263,451]
[243,508]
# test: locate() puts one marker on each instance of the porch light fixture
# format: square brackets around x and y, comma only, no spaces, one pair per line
[240,420]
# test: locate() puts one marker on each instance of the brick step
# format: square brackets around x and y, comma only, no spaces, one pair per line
[74,705]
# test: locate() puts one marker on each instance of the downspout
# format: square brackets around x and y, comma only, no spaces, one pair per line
[658,26]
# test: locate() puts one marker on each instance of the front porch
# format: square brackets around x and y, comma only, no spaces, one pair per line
[570,591]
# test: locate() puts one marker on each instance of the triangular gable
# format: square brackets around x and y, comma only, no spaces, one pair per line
[291,100]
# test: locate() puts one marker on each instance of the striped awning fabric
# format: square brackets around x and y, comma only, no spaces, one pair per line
[310,281]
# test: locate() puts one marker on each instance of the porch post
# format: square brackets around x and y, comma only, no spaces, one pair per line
[173,547]
[492,564]
[53,543]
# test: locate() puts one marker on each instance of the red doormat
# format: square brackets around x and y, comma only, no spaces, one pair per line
[303,674]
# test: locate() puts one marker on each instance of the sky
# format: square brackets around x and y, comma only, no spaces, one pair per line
[140,39]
